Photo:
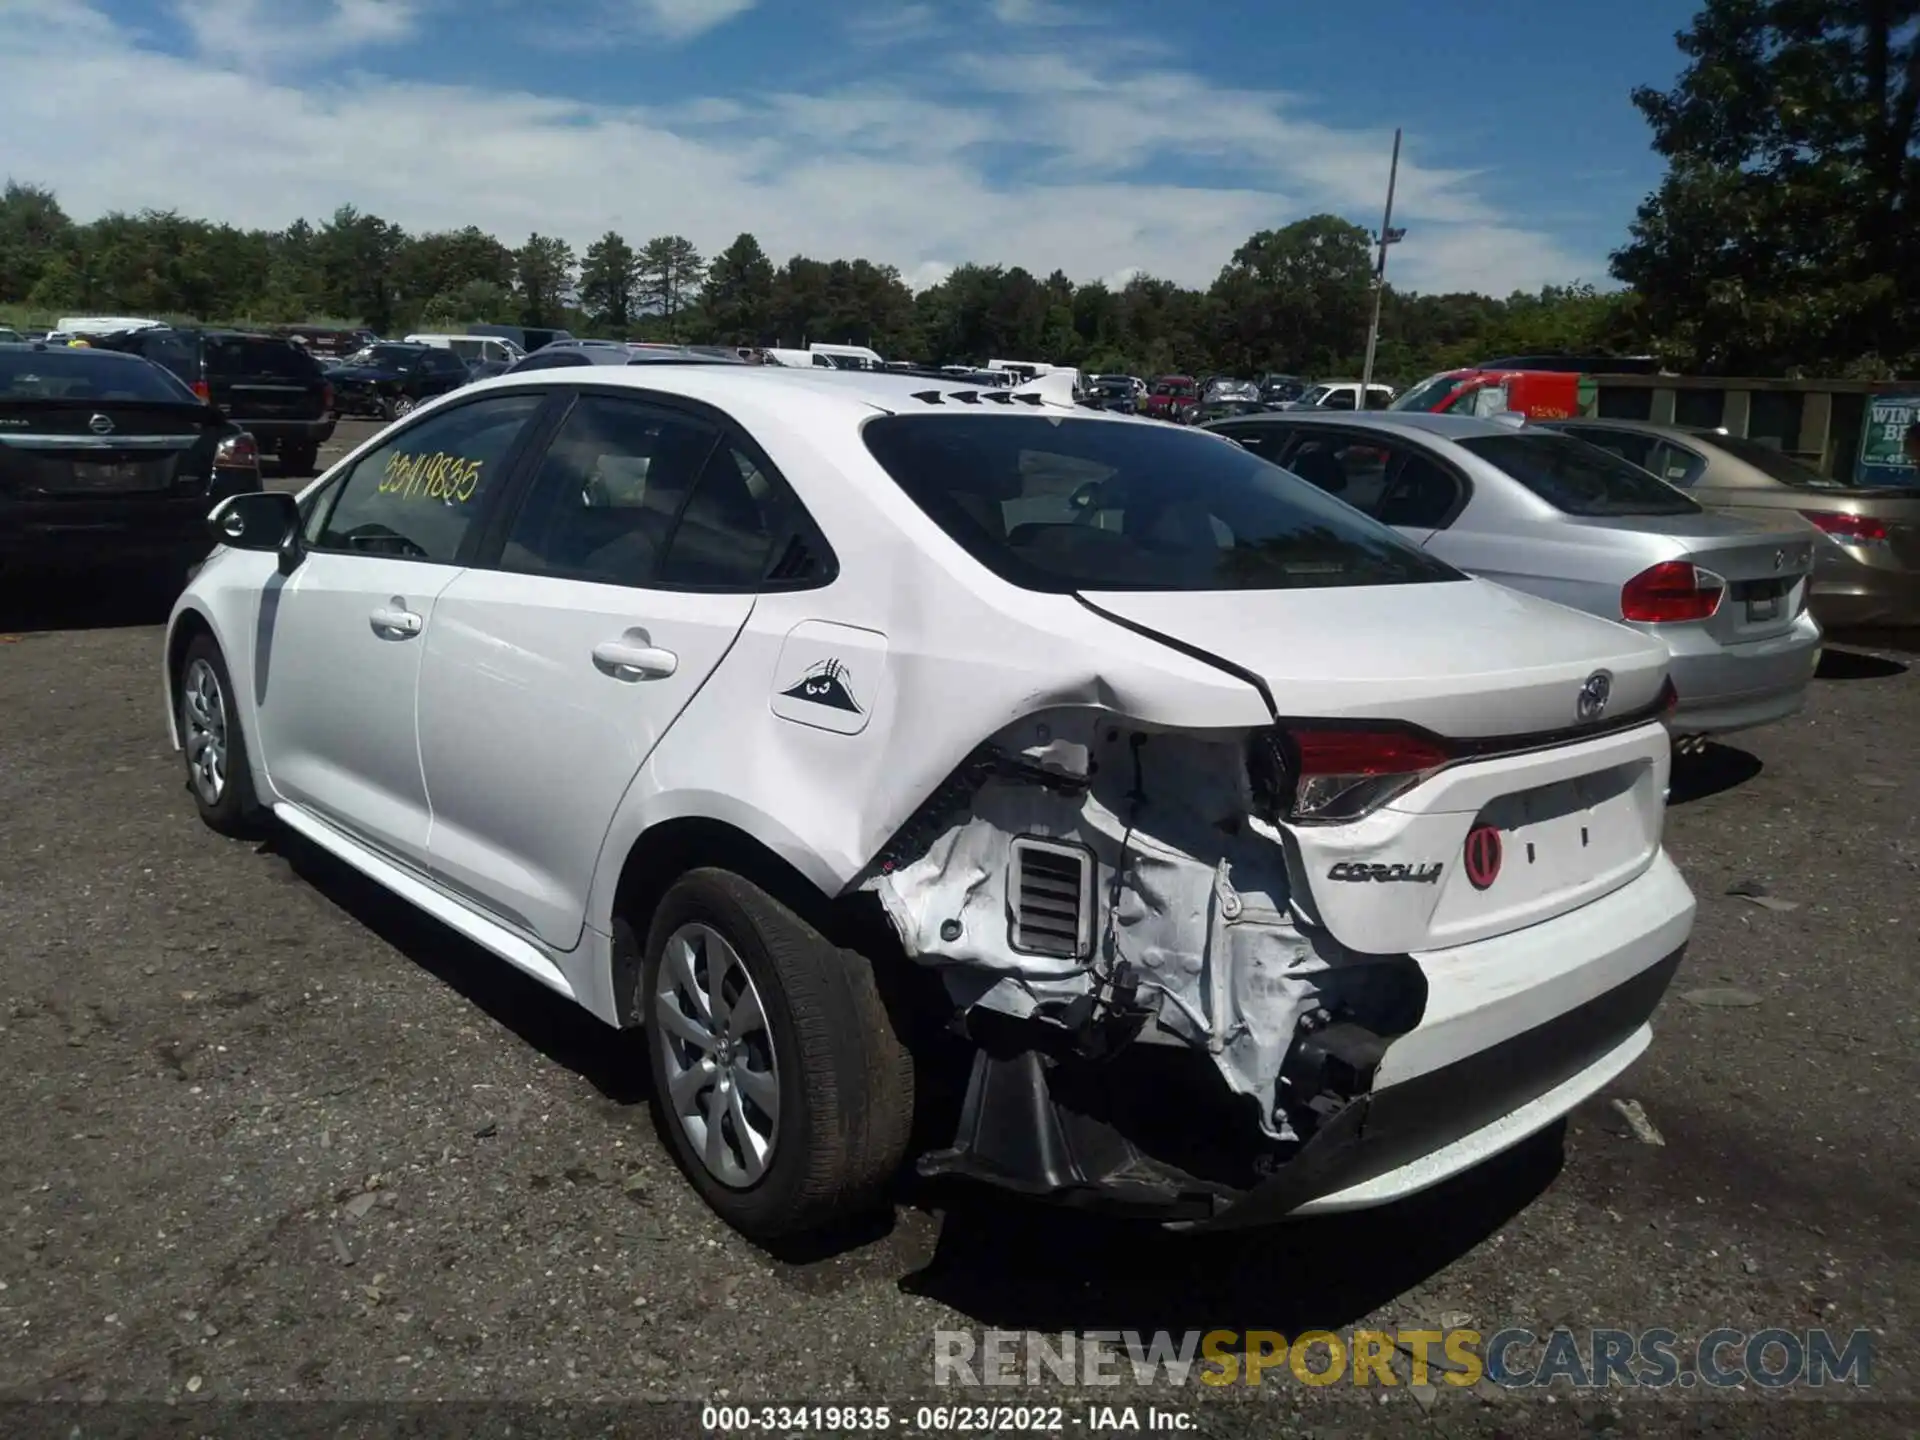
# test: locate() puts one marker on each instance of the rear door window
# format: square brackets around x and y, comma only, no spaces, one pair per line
[1577,478]
[1058,504]
[608,492]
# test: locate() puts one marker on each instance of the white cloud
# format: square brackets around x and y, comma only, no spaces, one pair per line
[257,32]
[1035,13]
[684,19]
[898,175]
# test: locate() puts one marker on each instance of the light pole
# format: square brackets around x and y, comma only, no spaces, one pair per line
[1388,236]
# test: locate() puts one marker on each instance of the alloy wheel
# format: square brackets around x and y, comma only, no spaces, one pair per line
[203,709]
[722,1074]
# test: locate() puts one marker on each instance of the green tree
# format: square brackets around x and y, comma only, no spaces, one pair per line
[34,231]
[544,269]
[609,282]
[670,272]
[1297,298]
[1787,229]
[738,301]
[358,257]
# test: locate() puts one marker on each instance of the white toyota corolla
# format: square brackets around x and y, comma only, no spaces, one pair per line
[849,734]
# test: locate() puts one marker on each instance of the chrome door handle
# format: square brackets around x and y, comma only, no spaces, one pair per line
[396,622]
[625,661]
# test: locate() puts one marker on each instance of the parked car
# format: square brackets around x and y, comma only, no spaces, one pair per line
[1224,398]
[109,461]
[389,379]
[1171,397]
[526,338]
[1278,389]
[1114,392]
[1554,516]
[1868,574]
[493,352]
[1344,395]
[268,385]
[1223,836]
[564,356]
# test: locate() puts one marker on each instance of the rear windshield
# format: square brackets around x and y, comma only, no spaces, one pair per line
[86,375]
[1577,478]
[1774,464]
[232,357]
[1058,505]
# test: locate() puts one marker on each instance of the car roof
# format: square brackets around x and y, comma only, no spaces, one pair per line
[801,396]
[1646,427]
[113,357]
[1445,427]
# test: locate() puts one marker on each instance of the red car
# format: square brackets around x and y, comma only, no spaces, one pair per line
[1172,397]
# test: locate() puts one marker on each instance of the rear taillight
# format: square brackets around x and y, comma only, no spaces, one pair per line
[237,452]
[201,392]
[1327,776]
[326,399]
[1849,529]
[1671,591]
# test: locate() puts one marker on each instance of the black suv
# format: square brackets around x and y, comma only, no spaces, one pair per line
[264,383]
[390,378]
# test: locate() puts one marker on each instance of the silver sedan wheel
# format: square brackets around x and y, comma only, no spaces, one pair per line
[723,1078]
[203,715]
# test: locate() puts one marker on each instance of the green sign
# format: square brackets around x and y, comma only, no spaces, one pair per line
[1883,457]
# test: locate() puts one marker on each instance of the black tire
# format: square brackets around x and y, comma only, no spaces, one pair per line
[398,407]
[845,1080]
[298,459]
[236,810]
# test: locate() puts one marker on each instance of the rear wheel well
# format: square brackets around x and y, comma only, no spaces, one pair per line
[662,854]
[667,851]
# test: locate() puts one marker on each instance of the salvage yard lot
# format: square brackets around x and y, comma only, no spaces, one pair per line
[271,1135]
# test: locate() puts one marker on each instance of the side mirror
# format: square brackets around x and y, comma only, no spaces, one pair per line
[264,520]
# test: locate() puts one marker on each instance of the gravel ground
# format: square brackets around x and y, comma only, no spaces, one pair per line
[273,1137]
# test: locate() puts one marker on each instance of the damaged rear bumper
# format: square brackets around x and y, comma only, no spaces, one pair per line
[1517,1031]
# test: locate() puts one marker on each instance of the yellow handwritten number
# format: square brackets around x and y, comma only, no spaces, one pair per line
[439,476]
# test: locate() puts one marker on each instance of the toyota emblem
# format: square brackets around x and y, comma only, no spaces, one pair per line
[1594,695]
[101,424]
[1483,854]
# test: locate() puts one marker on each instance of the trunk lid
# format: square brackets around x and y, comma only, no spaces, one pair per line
[1466,659]
[90,448]
[1766,561]
[1572,818]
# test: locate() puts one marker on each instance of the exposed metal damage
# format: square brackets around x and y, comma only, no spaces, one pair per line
[1114,886]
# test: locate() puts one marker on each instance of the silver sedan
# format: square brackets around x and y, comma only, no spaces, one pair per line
[1554,516]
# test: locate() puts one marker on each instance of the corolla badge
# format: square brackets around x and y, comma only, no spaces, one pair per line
[1594,695]
[101,424]
[827,683]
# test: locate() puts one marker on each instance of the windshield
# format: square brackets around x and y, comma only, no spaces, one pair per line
[1174,387]
[1059,505]
[1577,478]
[1774,464]
[1428,394]
[87,375]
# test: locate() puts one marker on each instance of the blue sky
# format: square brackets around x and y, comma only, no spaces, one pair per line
[1099,138]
